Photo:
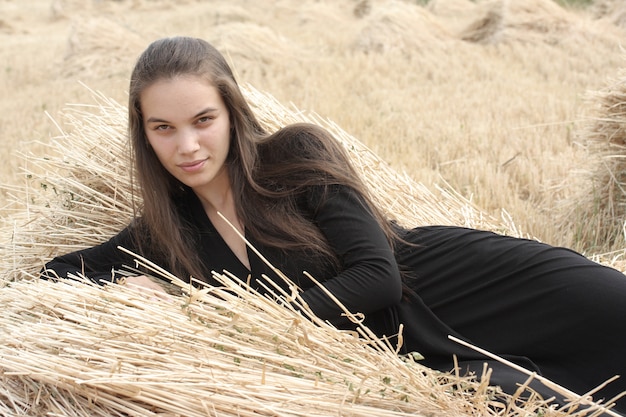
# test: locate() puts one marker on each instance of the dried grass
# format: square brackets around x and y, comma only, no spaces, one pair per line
[76,349]
[528,21]
[400,26]
[76,194]
[98,44]
[612,10]
[597,213]
[253,44]
[455,14]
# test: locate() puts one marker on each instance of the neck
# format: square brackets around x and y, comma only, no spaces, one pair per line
[220,199]
[218,196]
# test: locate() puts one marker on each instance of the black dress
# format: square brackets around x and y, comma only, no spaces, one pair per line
[549,309]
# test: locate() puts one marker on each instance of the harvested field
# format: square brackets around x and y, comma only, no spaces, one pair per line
[498,114]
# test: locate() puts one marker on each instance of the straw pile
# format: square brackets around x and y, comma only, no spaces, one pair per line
[250,42]
[98,44]
[612,10]
[76,194]
[527,21]
[400,26]
[459,13]
[597,214]
[75,349]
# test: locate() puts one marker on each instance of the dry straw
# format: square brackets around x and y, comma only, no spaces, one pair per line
[77,349]
[80,350]
[532,22]
[612,10]
[597,214]
[98,44]
[400,26]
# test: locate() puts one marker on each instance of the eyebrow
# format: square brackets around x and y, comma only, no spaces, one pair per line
[200,113]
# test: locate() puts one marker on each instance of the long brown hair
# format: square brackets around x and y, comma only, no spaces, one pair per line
[293,161]
[268,172]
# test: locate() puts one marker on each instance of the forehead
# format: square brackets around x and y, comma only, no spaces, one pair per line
[179,95]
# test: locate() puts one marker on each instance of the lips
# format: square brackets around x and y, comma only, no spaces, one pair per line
[193,165]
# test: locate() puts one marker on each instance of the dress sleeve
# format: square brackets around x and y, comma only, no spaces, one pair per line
[369,279]
[97,263]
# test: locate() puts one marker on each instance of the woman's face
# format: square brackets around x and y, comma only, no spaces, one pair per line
[188,126]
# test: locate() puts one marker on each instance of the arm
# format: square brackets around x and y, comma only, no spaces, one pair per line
[96,263]
[369,279]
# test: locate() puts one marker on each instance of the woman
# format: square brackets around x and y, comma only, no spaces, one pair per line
[199,151]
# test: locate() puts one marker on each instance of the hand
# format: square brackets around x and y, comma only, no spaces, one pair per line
[147,285]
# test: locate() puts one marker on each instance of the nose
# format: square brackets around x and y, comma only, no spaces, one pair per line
[188,141]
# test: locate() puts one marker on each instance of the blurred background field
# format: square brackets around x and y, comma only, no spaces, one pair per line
[505,101]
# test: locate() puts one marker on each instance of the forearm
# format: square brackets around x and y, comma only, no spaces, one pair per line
[100,263]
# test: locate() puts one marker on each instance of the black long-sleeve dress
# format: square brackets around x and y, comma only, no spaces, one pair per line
[546,308]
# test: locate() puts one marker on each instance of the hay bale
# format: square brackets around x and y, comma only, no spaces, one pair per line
[543,17]
[455,14]
[253,45]
[613,11]
[76,194]
[98,44]
[402,27]
[450,8]
[527,21]
[596,214]
[488,28]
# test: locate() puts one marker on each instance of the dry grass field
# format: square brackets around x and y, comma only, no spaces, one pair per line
[489,97]
[517,105]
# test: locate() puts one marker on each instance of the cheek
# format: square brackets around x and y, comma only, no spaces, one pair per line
[228,140]
[154,143]
[160,149]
